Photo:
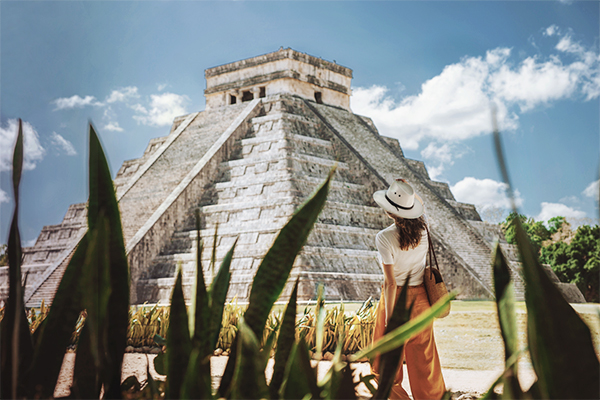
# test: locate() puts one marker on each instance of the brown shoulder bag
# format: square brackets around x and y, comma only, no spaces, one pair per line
[432,278]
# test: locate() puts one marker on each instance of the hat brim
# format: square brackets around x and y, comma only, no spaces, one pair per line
[415,212]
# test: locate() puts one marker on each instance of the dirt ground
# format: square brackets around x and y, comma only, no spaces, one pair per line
[469,382]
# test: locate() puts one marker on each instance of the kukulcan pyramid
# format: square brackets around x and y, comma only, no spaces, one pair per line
[273,127]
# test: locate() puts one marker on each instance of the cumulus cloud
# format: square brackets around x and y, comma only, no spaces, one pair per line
[63,144]
[66,103]
[550,210]
[484,193]
[455,105]
[440,156]
[3,197]
[593,190]
[161,86]
[33,150]
[163,109]
[123,94]
[113,126]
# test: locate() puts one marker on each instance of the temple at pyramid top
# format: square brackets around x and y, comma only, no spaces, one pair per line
[283,71]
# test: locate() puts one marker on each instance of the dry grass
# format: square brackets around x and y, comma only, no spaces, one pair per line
[469,338]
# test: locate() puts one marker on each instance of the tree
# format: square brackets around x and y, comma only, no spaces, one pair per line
[3,255]
[577,262]
[536,231]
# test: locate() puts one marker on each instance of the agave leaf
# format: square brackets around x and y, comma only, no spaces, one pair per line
[320,326]
[196,384]
[96,281]
[510,362]
[300,379]
[102,201]
[16,346]
[86,376]
[55,334]
[333,378]
[217,297]
[179,344]
[249,377]
[390,361]
[346,389]
[273,272]
[560,343]
[367,381]
[400,335]
[200,312]
[505,304]
[285,342]
[265,352]
[160,363]
[151,385]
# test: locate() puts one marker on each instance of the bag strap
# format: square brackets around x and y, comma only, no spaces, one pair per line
[432,257]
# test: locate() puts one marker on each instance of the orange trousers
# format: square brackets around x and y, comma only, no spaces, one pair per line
[420,351]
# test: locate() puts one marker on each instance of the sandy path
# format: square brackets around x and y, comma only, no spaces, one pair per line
[465,381]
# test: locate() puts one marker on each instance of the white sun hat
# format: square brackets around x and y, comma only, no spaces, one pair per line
[400,200]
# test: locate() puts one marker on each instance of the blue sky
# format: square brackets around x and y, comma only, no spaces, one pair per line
[426,72]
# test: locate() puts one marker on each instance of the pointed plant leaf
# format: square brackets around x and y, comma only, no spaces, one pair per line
[400,335]
[102,200]
[560,343]
[505,303]
[196,384]
[217,297]
[249,377]
[320,325]
[346,390]
[390,361]
[160,363]
[56,331]
[265,352]
[16,348]
[179,344]
[285,342]
[300,378]
[274,270]
[200,303]
[86,377]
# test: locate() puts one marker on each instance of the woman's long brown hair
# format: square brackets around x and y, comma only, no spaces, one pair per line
[409,231]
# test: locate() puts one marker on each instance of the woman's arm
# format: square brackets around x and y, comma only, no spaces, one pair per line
[389,290]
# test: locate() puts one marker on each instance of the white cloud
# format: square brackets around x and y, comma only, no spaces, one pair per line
[455,105]
[33,150]
[123,94]
[161,86]
[551,30]
[443,155]
[63,144]
[3,197]
[592,190]
[484,193]
[550,210]
[113,126]
[163,109]
[65,103]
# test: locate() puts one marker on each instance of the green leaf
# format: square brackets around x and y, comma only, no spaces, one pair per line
[560,344]
[200,312]
[197,382]
[505,304]
[390,361]
[160,363]
[273,272]
[103,201]
[285,342]
[16,348]
[400,335]
[55,334]
[179,344]
[86,376]
[320,325]
[346,388]
[300,378]
[367,381]
[217,297]
[249,377]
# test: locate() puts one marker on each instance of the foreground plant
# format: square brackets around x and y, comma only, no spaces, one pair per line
[96,279]
[559,342]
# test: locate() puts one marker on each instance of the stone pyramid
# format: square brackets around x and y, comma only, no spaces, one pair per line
[273,127]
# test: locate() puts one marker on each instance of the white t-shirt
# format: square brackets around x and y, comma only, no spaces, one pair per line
[403,261]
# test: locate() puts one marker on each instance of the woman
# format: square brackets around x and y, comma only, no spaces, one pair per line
[403,248]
